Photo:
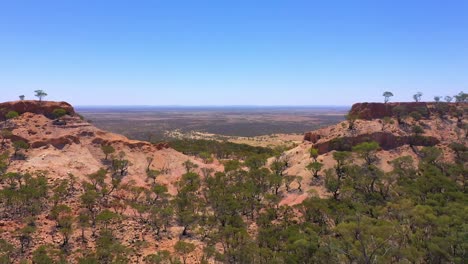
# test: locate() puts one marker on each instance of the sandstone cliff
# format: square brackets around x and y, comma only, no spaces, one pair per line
[45,108]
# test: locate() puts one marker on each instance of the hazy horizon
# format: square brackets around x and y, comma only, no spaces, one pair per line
[212,106]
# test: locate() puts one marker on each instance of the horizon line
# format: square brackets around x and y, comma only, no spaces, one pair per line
[181,105]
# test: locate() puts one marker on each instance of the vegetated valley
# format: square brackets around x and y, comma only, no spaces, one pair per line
[386,185]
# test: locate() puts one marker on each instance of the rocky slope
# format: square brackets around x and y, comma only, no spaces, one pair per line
[395,138]
[45,108]
[74,146]
[69,146]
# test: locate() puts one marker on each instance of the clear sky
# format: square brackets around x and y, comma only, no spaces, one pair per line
[239,52]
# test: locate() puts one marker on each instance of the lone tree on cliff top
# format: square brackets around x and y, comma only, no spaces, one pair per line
[417,97]
[387,96]
[40,94]
[461,97]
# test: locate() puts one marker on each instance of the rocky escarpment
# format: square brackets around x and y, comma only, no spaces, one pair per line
[387,141]
[74,146]
[434,123]
[370,111]
[45,108]
[35,127]
[40,131]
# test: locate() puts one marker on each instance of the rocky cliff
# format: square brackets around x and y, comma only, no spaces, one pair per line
[45,108]
[74,145]
[370,111]
[439,122]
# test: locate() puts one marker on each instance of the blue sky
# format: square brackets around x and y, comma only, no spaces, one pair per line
[232,52]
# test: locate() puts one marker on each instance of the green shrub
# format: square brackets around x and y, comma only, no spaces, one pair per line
[59,112]
[416,115]
[11,115]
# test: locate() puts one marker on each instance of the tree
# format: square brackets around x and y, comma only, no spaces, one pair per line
[400,112]
[461,97]
[287,182]
[4,162]
[18,145]
[299,183]
[351,120]
[40,94]
[341,158]
[417,96]
[315,167]
[25,235]
[150,160]
[431,154]
[21,97]
[189,166]
[206,157]
[184,249]
[332,183]
[6,252]
[107,149]
[365,240]
[65,228]
[367,151]
[161,257]
[106,217]
[448,99]
[83,222]
[437,98]
[387,96]
[153,174]
[314,153]
[41,256]
[6,134]
[109,249]
[119,166]
[186,201]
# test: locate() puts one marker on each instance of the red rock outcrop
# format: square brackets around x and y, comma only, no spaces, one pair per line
[39,131]
[387,141]
[132,144]
[44,108]
[370,111]
[59,142]
[311,137]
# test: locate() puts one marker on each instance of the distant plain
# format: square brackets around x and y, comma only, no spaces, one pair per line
[162,123]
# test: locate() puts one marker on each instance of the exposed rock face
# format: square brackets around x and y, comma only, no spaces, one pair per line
[387,141]
[370,111]
[75,147]
[39,131]
[34,128]
[312,137]
[390,135]
[70,151]
[59,142]
[44,108]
